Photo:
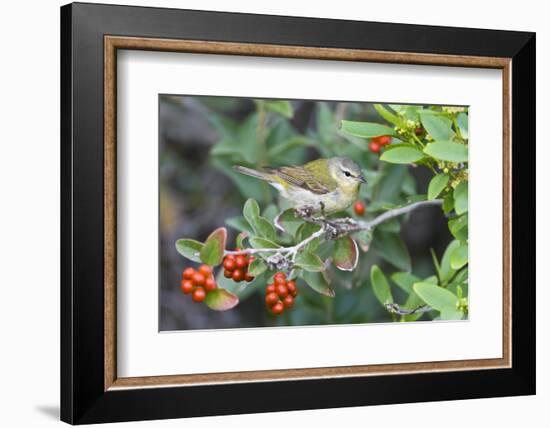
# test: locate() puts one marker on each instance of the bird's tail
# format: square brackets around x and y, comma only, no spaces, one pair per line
[262,175]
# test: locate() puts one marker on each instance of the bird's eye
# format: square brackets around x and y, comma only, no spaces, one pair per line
[347,173]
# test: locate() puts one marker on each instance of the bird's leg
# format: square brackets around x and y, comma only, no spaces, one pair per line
[322,204]
[305,212]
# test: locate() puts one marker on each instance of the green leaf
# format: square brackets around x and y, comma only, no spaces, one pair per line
[281,107]
[391,225]
[409,185]
[459,227]
[402,155]
[190,249]
[363,238]
[325,124]
[461,276]
[461,197]
[214,247]
[446,270]
[413,302]
[388,188]
[221,300]
[388,116]
[435,296]
[281,149]
[309,261]
[437,184]
[391,248]
[436,263]
[451,314]
[258,242]
[318,282]
[448,203]
[289,222]
[257,267]
[264,228]
[439,127]
[240,239]
[462,121]
[251,211]
[305,231]
[239,223]
[380,285]
[241,289]
[366,129]
[405,280]
[431,279]
[345,254]
[459,256]
[260,225]
[270,212]
[227,146]
[447,151]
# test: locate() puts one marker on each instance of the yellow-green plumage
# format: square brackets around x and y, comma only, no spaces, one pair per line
[326,185]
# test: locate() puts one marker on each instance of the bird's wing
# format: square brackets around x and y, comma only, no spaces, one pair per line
[301,177]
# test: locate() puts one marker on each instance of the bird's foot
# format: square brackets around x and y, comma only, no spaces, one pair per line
[305,212]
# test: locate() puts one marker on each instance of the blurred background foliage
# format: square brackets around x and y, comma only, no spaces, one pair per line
[201,138]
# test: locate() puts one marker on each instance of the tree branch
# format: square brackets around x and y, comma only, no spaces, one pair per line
[283,257]
[394,308]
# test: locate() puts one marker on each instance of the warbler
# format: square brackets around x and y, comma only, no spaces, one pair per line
[324,186]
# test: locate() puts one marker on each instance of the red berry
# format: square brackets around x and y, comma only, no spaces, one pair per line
[278,280]
[281,290]
[205,270]
[383,140]
[241,262]
[374,147]
[419,131]
[277,308]
[248,278]
[291,286]
[279,275]
[199,294]
[198,278]
[188,273]
[271,299]
[210,284]
[186,286]
[288,301]
[270,288]
[238,275]
[228,273]
[359,208]
[229,263]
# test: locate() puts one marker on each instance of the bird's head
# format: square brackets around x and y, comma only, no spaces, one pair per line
[347,173]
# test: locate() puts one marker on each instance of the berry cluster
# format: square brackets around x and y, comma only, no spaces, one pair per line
[376,143]
[236,267]
[359,208]
[280,294]
[198,282]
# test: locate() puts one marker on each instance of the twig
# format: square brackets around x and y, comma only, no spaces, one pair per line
[394,308]
[396,212]
[284,257]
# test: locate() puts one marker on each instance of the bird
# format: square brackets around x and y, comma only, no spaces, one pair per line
[322,186]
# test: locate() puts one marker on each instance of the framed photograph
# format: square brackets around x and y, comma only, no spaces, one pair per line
[265,213]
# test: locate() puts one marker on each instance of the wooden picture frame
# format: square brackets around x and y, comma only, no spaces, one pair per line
[91,390]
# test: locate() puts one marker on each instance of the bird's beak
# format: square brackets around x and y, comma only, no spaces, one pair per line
[361,178]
